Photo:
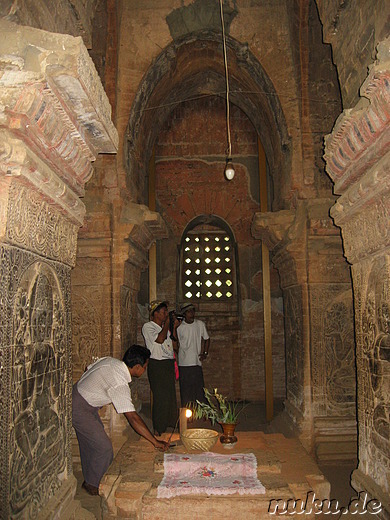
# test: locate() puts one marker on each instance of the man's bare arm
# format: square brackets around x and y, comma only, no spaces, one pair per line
[139,426]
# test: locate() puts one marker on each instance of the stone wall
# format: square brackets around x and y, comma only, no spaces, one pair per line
[191,151]
[291,103]
[368,23]
[320,357]
[54,118]
[74,18]
[358,155]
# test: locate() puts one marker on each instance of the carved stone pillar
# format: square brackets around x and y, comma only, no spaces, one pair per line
[54,119]
[147,227]
[306,249]
[358,161]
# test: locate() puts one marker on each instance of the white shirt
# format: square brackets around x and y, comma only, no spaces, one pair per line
[159,351]
[190,342]
[107,381]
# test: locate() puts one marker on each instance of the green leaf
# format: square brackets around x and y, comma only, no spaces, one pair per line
[217,408]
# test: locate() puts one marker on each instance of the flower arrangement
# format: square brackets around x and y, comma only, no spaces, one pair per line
[218,408]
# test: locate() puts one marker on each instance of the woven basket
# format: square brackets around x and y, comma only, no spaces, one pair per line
[199,439]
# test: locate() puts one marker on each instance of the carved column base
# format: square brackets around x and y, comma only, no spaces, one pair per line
[365,484]
[301,425]
[63,507]
[335,439]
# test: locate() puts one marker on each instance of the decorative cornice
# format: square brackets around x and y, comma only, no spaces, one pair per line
[39,120]
[17,160]
[362,135]
[374,185]
[149,226]
[53,104]
[358,159]
[272,227]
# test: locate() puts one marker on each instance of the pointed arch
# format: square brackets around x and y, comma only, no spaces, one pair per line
[174,78]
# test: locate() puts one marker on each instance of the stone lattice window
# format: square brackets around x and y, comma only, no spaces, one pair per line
[208,266]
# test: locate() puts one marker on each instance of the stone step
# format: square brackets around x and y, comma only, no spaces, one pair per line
[283,467]
[202,506]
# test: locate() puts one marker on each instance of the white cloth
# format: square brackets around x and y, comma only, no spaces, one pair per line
[190,342]
[107,381]
[158,351]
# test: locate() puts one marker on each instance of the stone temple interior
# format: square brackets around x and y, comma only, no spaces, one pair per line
[114,139]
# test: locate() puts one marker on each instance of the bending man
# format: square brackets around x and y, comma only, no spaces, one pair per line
[106,381]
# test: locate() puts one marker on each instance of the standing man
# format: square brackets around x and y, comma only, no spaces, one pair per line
[104,382]
[161,369]
[194,343]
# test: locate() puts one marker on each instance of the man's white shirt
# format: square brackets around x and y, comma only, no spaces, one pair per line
[159,351]
[107,381]
[190,342]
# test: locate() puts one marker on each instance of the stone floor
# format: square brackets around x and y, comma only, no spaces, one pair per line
[284,468]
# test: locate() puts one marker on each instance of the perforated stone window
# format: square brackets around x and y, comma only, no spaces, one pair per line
[208,266]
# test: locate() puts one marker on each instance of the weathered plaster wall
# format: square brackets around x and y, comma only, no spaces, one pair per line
[74,18]
[272,49]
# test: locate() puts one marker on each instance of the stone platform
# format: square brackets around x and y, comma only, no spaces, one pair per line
[284,468]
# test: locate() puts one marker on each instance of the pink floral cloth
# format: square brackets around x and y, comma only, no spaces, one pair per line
[209,473]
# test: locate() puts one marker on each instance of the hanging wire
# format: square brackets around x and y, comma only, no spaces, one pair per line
[259,92]
[229,149]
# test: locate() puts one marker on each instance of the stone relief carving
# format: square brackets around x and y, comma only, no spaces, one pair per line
[339,358]
[39,385]
[374,389]
[126,311]
[367,231]
[294,345]
[86,330]
[5,405]
[333,371]
[35,225]
[129,324]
